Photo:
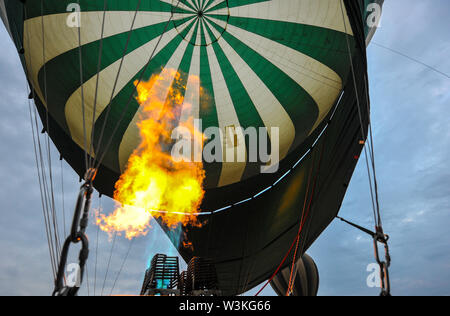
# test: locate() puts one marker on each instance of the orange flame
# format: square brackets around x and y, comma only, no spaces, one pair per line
[154,184]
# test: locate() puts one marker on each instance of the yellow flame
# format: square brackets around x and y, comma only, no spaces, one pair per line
[154,184]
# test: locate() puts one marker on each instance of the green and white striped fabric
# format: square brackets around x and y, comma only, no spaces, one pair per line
[261,63]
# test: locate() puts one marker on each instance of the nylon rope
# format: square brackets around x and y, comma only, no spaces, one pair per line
[109,262]
[80,60]
[49,242]
[40,166]
[96,246]
[412,59]
[301,225]
[373,153]
[62,198]
[298,234]
[360,115]
[41,188]
[51,191]
[301,228]
[99,62]
[130,246]
[305,218]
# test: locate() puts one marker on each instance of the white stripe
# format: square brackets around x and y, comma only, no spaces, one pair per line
[231,171]
[131,138]
[133,63]
[321,13]
[318,80]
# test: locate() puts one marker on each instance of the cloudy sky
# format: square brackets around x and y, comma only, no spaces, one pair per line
[410,105]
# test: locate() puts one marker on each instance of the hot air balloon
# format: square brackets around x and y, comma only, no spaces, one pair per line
[303,281]
[295,65]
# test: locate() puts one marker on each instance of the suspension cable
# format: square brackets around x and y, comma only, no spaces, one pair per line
[80,61]
[99,62]
[96,245]
[363,134]
[378,236]
[43,200]
[109,262]
[47,129]
[304,218]
[301,226]
[412,59]
[47,198]
[77,234]
[290,285]
[130,246]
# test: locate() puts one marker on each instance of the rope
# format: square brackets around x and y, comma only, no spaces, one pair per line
[109,262]
[62,198]
[48,234]
[298,234]
[371,146]
[359,114]
[278,268]
[294,242]
[47,197]
[51,192]
[87,280]
[412,59]
[80,60]
[100,54]
[96,246]
[379,236]
[39,163]
[304,219]
[122,265]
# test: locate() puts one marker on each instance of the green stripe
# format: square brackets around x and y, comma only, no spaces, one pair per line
[324,45]
[245,109]
[121,100]
[183,70]
[34,9]
[63,73]
[300,106]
